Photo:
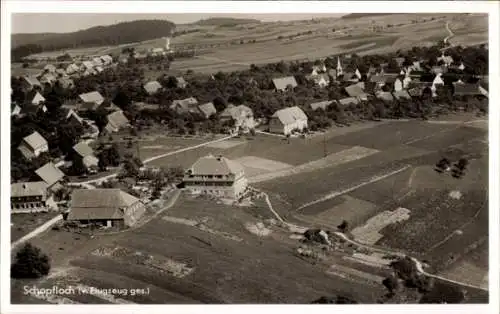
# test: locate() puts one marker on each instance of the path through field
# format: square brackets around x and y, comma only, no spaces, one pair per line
[37,231]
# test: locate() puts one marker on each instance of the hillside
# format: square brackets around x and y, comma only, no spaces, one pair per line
[117,34]
[225,21]
[359,15]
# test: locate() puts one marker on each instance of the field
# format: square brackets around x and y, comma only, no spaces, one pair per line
[22,224]
[233,48]
[193,264]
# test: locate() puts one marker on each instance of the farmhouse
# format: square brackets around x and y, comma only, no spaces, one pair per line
[287,120]
[349,101]
[85,154]
[384,96]
[30,82]
[93,99]
[181,83]
[283,83]
[356,91]
[216,175]
[187,105]
[322,104]
[72,68]
[116,121]
[51,175]
[50,68]
[35,98]
[110,207]
[106,59]
[73,117]
[207,110]
[152,87]
[466,90]
[402,94]
[30,197]
[87,66]
[241,115]
[33,145]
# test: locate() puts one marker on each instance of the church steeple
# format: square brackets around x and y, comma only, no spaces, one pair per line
[339,67]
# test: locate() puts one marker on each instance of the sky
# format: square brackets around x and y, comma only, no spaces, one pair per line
[64,22]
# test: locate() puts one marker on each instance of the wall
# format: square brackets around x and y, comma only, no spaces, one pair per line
[133,213]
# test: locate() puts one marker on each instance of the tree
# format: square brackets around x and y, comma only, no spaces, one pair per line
[30,262]
[462,164]
[391,283]
[343,227]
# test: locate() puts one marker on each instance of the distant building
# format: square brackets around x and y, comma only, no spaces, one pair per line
[66,83]
[216,175]
[29,83]
[402,94]
[110,207]
[322,104]
[35,98]
[281,84]
[207,110]
[51,175]
[72,68]
[287,120]
[447,60]
[349,101]
[15,109]
[242,117]
[181,83]
[466,90]
[91,100]
[116,121]
[33,145]
[106,60]
[48,78]
[356,90]
[322,80]
[86,155]
[384,96]
[187,105]
[438,81]
[339,69]
[29,197]
[97,62]
[50,68]
[152,87]
[73,117]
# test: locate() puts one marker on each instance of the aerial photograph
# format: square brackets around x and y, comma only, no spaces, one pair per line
[193,158]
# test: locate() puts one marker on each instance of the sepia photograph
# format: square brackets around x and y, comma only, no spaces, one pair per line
[248,158]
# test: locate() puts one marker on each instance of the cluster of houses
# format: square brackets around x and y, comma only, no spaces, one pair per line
[213,175]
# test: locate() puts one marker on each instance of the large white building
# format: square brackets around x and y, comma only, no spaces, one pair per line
[216,175]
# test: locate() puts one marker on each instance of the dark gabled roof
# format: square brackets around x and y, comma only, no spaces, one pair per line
[207,109]
[49,173]
[466,89]
[321,104]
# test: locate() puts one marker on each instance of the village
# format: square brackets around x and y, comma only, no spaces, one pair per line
[98,148]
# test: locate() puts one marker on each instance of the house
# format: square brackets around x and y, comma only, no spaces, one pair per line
[207,110]
[15,109]
[216,175]
[61,72]
[97,61]
[152,87]
[51,175]
[50,68]
[406,81]
[99,69]
[66,83]
[384,96]
[33,145]
[461,67]
[35,98]
[48,78]
[116,121]
[73,117]
[466,90]
[106,59]
[30,82]
[181,83]
[356,91]
[287,120]
[144,106]
[322,80]
[321,104]
[91,100]
[86,155]
[110,207]
[349,77]
[402,94]
[282,83]
[398,84]
[447,60]
[87,66]
[349,101]
[241,115]
[399,61]
[30,197]
[438,81]
[123,58]
[72,68]
[187,105]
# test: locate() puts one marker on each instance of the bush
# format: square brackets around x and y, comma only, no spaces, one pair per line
[30,262]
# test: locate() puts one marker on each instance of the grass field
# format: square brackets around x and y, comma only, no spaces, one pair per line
[22,224]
